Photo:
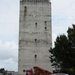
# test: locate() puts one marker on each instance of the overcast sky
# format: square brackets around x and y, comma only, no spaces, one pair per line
[63,16]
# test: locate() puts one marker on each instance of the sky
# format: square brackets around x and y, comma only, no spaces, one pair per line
[63,16]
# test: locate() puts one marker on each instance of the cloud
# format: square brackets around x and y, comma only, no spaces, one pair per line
[63,9]
[60,6]
[8,55]
[63,15]
[9,28]
[8,50]
[9,61]
[9,20]
[9,65]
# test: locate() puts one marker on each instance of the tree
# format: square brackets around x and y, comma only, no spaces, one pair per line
[63,54]
[71,35]
[2,70]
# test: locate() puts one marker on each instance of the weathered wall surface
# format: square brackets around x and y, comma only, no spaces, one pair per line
[35,35]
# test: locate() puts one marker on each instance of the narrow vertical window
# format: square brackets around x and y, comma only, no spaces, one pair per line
[45,28]
[45,25]
[36,24]
[35,39]
[23,70]
[45,22]
[25,11]
[35,56]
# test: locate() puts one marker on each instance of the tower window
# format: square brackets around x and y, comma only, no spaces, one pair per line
[35,23]
[35,39]
[25,10]
[25,7]
[23,70]
[35,56]
[45,21]
[45,28]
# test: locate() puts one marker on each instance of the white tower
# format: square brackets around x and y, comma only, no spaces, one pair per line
[35,35]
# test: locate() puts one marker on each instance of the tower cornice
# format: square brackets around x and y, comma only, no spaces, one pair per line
[35,0]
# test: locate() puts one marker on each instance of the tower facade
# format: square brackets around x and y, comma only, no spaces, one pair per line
[35,35]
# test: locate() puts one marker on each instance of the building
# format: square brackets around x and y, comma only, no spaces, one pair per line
[11,73]
[35,35]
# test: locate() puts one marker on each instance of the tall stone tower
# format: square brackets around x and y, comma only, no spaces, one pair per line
[35,35]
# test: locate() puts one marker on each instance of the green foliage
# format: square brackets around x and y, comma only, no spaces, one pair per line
[2,70]
[63,54]
[71,35]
